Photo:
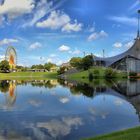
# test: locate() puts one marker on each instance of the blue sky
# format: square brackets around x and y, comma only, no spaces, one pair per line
[56,30]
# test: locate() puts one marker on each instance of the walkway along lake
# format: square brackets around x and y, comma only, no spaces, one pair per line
[56,109]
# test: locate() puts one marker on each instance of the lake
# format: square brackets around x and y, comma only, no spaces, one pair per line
[62,110]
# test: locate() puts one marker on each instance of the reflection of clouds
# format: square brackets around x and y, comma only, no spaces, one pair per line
[60,127]
[36,132]
[53,93]
[118,102]
[14,136]
[94,112]
[35,103]
[64,100]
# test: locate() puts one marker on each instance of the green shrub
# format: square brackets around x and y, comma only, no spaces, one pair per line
[90,76]
[61,70]
[114,74]
[108,73]
[96,72]
[132,74]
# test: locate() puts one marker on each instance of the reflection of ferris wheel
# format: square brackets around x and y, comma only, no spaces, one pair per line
[11,56]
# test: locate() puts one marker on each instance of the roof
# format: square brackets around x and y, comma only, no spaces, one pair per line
[134,52]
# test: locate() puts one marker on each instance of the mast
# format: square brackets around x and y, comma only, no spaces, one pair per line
[138,33]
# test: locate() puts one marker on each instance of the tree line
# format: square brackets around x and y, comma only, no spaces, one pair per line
[5,67]
[79,63]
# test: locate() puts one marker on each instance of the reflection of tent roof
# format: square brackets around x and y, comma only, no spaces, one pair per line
[134,52]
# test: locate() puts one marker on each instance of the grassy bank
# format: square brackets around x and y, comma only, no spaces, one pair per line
[97,72]
[130,134]
[26,75]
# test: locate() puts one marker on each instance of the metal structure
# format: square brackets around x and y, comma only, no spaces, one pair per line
[127,61]
[11,57]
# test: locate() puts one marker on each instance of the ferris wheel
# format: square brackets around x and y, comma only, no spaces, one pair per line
[11,56]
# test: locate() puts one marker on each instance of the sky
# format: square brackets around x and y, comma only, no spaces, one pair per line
[55,30]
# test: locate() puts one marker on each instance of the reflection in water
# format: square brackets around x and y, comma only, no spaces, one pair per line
[131,89]
[9,90]
[69,110]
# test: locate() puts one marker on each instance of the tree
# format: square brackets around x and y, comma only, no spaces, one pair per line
[62,70]
[4,66]
[76,62]
[4,86]
[87,62]
[40,66]
[49,65]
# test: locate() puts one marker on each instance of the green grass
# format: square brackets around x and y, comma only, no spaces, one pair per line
[26,75]
[130,134]
[83,75]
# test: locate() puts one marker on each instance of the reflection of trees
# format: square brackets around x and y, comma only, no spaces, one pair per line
[39,83]
[49,85]
[84,89]
[45,83]
[4,86]
[21,82]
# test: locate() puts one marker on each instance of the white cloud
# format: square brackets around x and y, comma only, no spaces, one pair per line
[126,45]
[16,8]
[95,35]
[64,48]
[55,20]
[125,20]
[75,52]
[72,27]
[35,45]
[49,60]
[7,41]
[117,45]
[129,44]
[98,54]
[134,5]
[53,55]
[42,8]
[60,20]
[2,57]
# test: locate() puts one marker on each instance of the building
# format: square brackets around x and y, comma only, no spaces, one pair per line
[128,61]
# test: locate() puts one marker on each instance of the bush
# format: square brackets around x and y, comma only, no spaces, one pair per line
[61,70]
[108,73]
[96,72]
[90,76]
[114,74]
[132,74]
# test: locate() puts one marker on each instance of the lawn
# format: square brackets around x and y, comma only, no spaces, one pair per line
[130,134]
[84,75]
[25,75]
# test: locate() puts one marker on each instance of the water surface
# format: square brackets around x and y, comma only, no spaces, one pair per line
[51,109]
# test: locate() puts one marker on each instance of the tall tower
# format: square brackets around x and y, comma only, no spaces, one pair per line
[138,33]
